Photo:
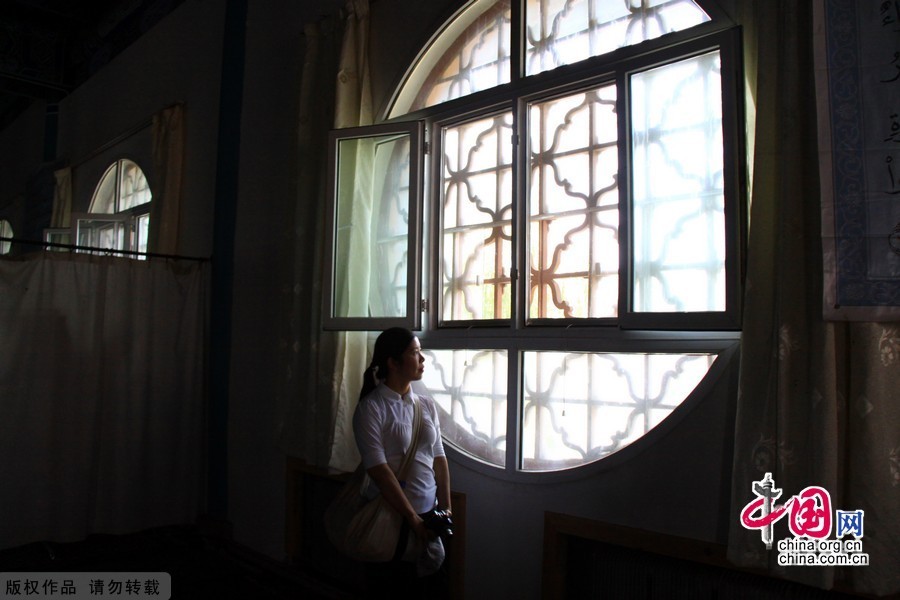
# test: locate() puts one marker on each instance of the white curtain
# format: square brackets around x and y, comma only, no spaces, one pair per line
[102,379]
[817,401]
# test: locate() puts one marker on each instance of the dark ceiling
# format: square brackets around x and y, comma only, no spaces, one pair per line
[49,47]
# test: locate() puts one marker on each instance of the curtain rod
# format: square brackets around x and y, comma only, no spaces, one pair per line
[107,251]
[121,137]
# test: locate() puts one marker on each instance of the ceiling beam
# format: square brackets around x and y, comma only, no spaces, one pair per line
[30,88]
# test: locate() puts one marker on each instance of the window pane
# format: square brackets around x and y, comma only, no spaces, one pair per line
[561,32]
[142,229]
[122,187]
[372,227]
[470,55]
[476,219]
[104,200]
[581,407]
[57,236]
[574,206]
[469,387]
[133,188]
[6,231]
[678,187]
[107,234]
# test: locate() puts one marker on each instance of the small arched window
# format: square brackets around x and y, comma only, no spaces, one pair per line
[119,214]
[6,231]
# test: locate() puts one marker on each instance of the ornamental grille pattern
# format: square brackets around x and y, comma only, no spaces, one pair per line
[562,32]
[574,206]
[577,407]
[477,219]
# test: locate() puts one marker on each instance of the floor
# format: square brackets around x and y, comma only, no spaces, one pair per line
[200,566]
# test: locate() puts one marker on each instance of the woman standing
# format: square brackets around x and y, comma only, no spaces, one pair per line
[382,426]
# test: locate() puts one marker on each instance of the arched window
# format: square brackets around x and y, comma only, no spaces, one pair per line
[119,214]
[583,222]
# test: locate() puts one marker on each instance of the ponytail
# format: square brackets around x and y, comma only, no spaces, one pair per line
[370,380]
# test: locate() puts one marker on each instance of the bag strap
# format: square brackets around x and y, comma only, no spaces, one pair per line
[414,441]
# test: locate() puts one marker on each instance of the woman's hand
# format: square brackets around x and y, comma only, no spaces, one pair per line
[392,492]
[417,525]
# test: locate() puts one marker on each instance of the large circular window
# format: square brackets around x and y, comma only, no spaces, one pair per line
[582,271]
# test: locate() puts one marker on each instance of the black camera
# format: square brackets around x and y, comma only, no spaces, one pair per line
[439,522]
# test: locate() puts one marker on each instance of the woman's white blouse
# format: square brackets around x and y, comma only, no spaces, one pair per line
[382,426]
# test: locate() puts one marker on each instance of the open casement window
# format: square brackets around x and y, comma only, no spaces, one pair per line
[103,232]
[584,220]
[374,228]
[119,215]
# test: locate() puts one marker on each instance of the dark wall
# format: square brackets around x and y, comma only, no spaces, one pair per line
[24,172]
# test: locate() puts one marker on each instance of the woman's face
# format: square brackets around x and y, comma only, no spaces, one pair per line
[411,364]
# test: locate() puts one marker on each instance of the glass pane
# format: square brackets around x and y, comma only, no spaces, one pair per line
[678,187]
[99,233]
[469,387]
[470,55]
[574,206]
[371,247]
[580,407]
[133,188]
[6,231]
[57,236]
[476,216]
[104,200]
[562,32]
[142,229]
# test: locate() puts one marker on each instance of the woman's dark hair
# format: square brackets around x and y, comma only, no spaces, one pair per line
[391,343]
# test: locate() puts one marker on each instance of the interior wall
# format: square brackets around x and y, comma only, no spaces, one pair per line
[677,484]
[21,151]
[175,61]
[23,167]
[88,172]
[266,196]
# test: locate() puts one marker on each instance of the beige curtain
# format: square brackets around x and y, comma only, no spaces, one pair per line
[306,353]
[818,401]
[353,107]
[62,199]
[168,159]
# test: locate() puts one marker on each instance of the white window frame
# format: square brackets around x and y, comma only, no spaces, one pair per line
[412,319]
[120,220]
[58,235]
[127,218]
[699,332]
